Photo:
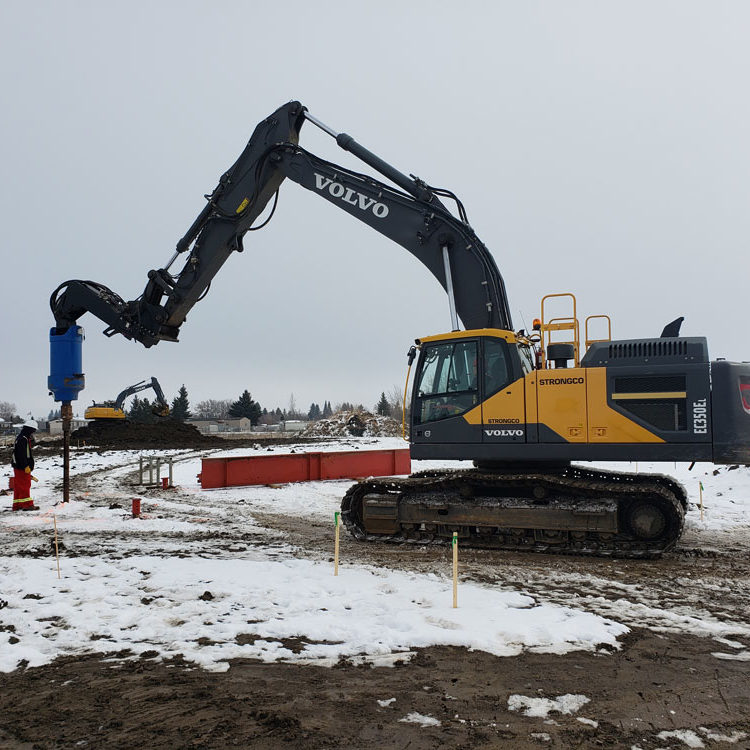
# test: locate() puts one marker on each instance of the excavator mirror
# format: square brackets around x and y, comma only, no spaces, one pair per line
[410,355]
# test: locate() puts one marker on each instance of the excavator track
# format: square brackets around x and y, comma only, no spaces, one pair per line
[571,510]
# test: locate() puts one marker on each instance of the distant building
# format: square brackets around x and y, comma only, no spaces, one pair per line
[293,425]
[213,426]
[55,425]
[243,424]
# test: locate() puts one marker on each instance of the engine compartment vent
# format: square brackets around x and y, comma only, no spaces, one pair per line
[656,348]
[654,351]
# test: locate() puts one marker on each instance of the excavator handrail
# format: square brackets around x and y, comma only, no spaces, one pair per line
[567,323]
[590,341]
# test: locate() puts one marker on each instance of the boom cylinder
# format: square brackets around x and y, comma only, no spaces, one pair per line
[349,144]
[413,188]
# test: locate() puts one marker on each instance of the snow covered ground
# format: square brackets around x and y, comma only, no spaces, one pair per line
[160,585]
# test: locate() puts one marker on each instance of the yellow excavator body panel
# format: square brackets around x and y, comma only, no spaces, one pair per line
[103,412]
[570,402]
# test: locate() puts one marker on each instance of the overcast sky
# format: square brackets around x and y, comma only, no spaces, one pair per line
[601,148]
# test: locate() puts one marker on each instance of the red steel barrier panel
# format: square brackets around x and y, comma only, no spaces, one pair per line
[236,471]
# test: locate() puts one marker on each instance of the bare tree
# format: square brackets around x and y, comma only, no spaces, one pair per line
[212,409]
[269,417]
[396,400]
[8,412]
[292,412]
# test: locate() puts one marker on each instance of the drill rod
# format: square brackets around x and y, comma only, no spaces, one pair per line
[67,416]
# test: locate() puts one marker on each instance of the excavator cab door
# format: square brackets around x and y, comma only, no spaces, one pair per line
[503,413]
[446,389]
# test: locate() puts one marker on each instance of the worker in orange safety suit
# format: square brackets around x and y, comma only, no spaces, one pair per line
[23,464]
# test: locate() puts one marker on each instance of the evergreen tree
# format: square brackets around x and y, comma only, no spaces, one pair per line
[383,408]
[180,406]
[314,412]
[327,410]
[134,407]
[140,411]
[246,407]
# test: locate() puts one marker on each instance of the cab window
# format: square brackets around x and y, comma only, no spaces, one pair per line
[527,358]
[447,383]
[497,370]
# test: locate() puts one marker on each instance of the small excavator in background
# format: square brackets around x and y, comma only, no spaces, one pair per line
[113,410]
[521,405]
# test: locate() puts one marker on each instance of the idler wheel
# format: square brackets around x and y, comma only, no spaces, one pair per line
[539,491]
[647,520]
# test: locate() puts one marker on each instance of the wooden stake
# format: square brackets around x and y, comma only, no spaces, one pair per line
[455,569]
[336,544]
[700,486]
[57,551]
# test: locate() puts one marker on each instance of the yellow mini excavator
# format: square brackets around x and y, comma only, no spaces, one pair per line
[520,405]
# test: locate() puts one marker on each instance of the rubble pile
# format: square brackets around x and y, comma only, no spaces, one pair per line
[122,434]
[354,424]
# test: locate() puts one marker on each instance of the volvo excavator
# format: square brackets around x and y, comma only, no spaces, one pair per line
[523,406]
[112,410]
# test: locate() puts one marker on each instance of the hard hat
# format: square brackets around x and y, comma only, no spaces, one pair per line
[31,423]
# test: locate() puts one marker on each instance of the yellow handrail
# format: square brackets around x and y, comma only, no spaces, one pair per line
[560,324]
[586,329]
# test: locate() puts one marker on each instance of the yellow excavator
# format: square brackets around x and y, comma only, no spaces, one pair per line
[113,410]
[521,405]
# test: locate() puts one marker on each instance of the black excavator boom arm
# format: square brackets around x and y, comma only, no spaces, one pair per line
[413,216]
[160,403]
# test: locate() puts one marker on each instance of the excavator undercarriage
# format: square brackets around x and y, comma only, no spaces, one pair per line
[570,510]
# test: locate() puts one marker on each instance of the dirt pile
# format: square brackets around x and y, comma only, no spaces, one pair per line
[354,424]
[122,434]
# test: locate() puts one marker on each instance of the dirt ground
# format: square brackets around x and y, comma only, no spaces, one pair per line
[653,684]
[666,677]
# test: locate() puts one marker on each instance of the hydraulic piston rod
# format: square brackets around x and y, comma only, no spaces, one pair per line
[449,288]
[413,187]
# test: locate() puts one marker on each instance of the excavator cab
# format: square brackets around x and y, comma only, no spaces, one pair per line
[458,375]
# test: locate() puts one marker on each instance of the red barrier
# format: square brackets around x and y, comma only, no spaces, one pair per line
[237,471]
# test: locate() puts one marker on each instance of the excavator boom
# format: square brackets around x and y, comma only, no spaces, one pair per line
[413,216]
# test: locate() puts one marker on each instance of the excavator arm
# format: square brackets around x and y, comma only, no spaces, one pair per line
[411,215]
[160,405]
